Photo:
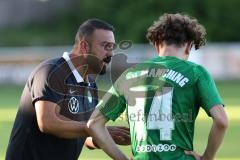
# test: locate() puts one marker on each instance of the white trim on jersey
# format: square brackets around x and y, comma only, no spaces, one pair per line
[74,70]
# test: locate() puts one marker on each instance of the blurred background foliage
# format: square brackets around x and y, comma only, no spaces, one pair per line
[130,19]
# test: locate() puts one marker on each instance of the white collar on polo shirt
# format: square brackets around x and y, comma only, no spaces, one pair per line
[76,74]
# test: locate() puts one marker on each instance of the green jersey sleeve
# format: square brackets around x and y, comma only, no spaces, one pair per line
[206,90]
[112,104]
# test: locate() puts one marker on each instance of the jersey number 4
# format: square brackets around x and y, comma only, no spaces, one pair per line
[159,117]
[160,114]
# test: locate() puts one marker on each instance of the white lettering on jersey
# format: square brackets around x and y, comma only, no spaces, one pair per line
[176,77]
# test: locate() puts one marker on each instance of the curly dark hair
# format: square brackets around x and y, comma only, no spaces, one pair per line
[177,29]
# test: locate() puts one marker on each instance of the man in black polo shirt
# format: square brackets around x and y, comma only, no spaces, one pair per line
[59,97]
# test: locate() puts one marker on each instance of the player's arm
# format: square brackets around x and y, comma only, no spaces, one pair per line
[215,138]
[211,102]
[49,121]
[97,129]
[219,126]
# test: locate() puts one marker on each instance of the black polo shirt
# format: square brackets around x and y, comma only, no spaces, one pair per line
[54,80]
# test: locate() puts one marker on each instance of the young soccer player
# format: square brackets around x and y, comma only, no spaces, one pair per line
[162,98]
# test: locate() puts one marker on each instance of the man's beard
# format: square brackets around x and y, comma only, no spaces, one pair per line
[98,66]
[103,70]
[104,67]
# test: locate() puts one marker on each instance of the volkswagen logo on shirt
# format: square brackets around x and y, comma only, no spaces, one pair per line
[73,105]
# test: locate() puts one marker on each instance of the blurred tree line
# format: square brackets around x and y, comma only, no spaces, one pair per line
[130,19]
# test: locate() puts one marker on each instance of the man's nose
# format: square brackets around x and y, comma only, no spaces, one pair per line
[110,53]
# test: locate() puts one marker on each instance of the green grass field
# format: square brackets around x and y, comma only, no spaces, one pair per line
[10,95]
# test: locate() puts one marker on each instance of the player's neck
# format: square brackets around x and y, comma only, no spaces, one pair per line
[178,52]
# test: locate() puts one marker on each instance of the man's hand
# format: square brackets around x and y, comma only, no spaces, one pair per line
[121,135]
[194,154]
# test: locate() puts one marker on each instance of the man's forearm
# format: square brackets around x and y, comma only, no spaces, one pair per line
[214,141]
[52,122]
[68,129]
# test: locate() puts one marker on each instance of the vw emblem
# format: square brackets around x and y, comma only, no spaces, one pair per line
[73,105]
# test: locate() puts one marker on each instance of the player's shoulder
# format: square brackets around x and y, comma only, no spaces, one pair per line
[197,68]
[201,71]
[191,68]
[185,63]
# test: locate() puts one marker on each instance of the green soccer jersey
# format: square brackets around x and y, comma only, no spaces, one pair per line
[162,98]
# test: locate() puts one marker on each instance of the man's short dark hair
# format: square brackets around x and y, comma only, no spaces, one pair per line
[87,28]
[176,29]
